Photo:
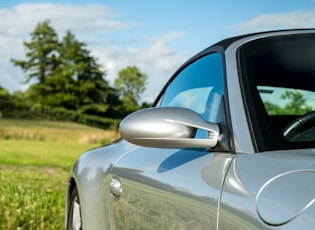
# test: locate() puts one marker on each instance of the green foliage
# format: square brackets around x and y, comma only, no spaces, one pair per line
[273,109]
[41,55]
[130,84]
[99,122]
[296,105]
[69,82]
[67,75]
[4,93]
[31,197]
[13,108]
[79,81]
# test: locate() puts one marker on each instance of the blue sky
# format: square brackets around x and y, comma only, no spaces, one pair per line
[156,36]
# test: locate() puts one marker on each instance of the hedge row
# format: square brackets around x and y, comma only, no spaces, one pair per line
[57,114]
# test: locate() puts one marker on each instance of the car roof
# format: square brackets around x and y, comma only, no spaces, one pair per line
[227,42]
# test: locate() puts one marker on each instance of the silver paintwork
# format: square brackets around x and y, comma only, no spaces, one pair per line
[242,139]
[124,186]
[167,189]
[266,196]
[91,174]
[168,127]
[279,189]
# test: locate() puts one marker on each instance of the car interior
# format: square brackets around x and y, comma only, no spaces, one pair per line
[279,84]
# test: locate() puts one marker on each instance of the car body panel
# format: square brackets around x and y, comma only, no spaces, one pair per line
[243,182]
[269,189]
[242,138]
[91,175]
[169,188]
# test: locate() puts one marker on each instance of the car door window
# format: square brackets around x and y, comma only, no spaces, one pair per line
[199,87]
[278,78]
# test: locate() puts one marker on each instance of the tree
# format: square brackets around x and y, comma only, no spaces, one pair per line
[297,104]
[130,84]
[273,109]
[67,75]
[79,81]
[8,103]
[41,55]
[4,93]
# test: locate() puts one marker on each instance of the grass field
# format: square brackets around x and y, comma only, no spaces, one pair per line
[35,159]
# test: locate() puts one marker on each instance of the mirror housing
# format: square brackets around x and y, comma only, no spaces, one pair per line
[168,127]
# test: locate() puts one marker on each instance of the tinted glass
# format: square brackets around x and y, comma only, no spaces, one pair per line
[199,87]
[279,82]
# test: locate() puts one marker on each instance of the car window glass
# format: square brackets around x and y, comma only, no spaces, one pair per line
[286,101]
[279,78]
[199,87]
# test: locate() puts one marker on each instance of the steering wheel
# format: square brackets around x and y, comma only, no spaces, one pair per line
[298,126]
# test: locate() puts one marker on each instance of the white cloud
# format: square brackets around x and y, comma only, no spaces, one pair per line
[89,23]
[156,58]
[17,23]
[159,61]
[22,19]
[291,20]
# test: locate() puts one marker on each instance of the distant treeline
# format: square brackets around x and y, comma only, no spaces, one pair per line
[70,83]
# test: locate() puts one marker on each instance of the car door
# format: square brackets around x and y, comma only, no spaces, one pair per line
[272,186]
[270,190]
[176,188]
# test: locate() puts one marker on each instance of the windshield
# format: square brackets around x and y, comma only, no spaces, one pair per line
[278,75]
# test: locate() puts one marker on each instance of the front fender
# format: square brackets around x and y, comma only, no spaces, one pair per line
[90,174]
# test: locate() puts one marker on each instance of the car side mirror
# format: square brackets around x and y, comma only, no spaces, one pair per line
[168,127]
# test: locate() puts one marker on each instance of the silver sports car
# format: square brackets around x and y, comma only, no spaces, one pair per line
[228,144]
